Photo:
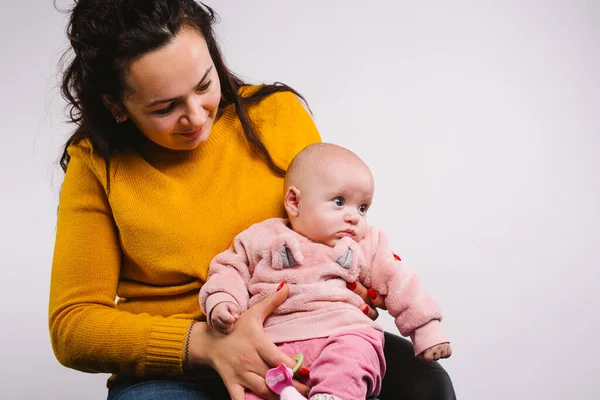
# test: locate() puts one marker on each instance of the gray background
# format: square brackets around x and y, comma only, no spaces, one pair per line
[479,119]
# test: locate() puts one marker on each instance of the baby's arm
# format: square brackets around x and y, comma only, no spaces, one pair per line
[416,313]
[227,282]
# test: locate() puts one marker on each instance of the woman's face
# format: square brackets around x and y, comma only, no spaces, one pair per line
[174,92]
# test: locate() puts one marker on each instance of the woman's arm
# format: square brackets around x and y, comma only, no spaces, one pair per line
[87,331]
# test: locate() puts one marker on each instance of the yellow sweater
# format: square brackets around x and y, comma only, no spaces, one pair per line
[149,241]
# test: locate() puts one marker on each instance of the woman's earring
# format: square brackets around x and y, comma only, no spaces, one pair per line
[118,119]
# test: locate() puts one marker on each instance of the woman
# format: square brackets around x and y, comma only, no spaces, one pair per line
[172,156]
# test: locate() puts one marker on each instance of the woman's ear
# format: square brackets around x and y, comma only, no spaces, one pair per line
[291,201]
[114,108]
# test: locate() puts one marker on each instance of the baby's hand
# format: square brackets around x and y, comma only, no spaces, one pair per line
[223,316]
[436,352]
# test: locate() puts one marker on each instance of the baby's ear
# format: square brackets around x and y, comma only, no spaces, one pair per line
[291,201]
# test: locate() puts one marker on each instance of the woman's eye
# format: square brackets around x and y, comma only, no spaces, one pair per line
[362,208]
[204,87]
[338,201]
[166,110]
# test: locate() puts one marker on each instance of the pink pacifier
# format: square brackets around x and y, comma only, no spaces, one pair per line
[281,377]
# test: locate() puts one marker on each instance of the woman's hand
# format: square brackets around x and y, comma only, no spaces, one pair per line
[372,299]
[243,357]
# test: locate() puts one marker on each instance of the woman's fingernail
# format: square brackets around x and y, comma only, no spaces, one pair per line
[396,257]
[351,285]
[281,285]
[304,372]
[372,294]
[365,309]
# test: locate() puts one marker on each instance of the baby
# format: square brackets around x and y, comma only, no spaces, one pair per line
[324,244]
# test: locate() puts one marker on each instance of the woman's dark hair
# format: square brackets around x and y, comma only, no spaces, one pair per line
[107,36]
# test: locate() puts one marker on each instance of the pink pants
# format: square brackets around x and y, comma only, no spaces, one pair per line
[349,365]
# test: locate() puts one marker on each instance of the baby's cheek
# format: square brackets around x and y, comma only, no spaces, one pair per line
[317,220]
[333,219]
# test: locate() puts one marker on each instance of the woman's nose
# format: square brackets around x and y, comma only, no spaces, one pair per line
[195,114]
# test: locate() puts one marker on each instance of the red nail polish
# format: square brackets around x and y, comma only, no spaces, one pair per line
[351,285]
[281,285]
[372,294]
[365,309]
[304,372]
[396,257]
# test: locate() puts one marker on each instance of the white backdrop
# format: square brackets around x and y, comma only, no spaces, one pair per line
[479,119]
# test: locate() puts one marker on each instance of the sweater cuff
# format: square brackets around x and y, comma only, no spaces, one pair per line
[214,299]
[164,354]
[427,336]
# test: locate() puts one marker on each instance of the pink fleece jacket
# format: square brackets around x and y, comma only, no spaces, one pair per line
[319,304]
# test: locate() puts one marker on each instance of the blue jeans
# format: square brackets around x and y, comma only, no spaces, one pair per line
[165,389]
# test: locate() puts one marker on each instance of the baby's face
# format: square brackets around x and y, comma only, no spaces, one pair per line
[334,204]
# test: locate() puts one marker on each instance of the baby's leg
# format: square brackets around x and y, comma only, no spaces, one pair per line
[350,366]
[289,393]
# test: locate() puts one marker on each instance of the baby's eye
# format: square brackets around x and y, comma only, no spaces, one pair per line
[362,208]
[338,201]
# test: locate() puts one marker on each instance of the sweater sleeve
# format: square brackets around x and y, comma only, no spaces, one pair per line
[87,330]
[228,277]
[415,312]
